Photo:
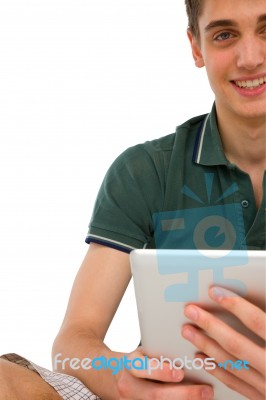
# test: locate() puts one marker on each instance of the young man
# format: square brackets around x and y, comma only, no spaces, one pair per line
[224,151]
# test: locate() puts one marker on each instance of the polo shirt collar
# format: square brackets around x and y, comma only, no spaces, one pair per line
[208,148]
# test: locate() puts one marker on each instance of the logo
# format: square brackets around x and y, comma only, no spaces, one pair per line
[213,226]
[238,365]
[118,364]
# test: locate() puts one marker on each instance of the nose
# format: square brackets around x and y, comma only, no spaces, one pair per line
[251,53]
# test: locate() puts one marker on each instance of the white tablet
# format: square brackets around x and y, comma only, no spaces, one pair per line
[166,280]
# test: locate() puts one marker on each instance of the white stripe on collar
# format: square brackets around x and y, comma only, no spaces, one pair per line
[201,139]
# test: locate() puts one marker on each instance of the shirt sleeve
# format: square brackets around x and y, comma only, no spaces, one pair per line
[131,190]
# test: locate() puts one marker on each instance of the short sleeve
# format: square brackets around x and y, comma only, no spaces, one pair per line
[132,190]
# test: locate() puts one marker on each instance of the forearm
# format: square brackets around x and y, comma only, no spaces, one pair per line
[84,345]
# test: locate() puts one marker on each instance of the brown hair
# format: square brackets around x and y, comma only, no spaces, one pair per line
[194,8]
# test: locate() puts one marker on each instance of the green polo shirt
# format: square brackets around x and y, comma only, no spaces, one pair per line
[176,192]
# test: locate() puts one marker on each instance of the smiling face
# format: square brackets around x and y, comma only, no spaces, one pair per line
[233,49]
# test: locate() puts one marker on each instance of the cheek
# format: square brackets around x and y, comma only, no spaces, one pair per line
[218,71]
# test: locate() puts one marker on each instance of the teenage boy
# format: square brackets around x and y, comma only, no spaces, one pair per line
[225,151]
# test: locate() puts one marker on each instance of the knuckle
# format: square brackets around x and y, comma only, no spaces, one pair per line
[201,342]
[231,302]
[123,387]
[256,323]
[206,323]
[231,384]
[233,347]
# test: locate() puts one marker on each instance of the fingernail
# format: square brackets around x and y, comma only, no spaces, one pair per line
[217,293]
[207,394]
[191,312]
[188,334]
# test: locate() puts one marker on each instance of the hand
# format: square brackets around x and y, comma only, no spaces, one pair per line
[224,343]
[160,384]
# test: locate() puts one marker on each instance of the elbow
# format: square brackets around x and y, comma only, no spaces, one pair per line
[57,352]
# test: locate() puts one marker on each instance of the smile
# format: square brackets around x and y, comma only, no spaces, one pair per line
[251,84]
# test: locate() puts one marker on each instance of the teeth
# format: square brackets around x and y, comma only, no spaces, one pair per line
[251,84]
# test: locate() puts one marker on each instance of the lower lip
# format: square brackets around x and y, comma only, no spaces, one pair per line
[250,92]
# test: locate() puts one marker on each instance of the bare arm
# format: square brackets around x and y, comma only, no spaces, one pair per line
[97,290]
[96,294]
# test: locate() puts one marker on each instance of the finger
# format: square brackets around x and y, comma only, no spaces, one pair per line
[235,383]
[225,360]
[251,316]
[130,387]
[153,368]
[230,340]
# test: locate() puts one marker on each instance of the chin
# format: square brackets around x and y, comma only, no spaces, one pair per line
[250,110]
[254,112]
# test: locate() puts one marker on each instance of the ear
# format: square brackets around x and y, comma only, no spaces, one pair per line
[196,51]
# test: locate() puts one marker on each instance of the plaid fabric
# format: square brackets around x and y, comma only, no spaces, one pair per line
[68,387]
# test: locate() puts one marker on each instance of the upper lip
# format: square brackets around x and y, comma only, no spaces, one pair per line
[249,78]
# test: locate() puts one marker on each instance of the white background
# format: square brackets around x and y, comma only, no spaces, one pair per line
[80,81]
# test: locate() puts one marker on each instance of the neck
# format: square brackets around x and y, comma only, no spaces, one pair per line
[244,141]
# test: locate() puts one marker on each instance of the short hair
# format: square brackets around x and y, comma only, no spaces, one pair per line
[194,8]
